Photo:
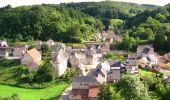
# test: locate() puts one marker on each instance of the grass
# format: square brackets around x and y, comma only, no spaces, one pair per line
[144,72]
[10,73]
[33,94]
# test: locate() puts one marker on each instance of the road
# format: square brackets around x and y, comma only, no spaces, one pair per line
[65,95]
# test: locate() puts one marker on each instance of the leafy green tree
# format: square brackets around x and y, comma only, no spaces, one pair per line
[105,93]
[46,73]
[109,93]
[46,50]
[29,38]
[19,38]
[160,41]
[168,43]
[131,88]
[69,74]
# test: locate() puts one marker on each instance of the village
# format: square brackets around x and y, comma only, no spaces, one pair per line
[92,66]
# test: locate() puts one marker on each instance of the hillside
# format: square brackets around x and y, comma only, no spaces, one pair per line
[149,27]
[47,21]
[109,9]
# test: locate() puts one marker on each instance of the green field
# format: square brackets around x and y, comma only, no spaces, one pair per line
[32,94]
[144,72]
[11,71]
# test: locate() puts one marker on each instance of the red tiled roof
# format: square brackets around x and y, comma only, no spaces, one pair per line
[34,53]
[94,91]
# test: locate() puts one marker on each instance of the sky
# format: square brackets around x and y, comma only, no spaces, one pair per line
[16,3]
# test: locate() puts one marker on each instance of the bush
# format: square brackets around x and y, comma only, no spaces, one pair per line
[69,74]
[46,73]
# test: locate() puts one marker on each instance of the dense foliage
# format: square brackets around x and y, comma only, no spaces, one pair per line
[47,21]
[149,27]
[108,9]
[132,88]
[109,93]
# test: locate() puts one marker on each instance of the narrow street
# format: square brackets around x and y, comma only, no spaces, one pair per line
[65,95]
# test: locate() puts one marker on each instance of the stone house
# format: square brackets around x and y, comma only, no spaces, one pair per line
[132,63]
[4,52]
[115,71]
[145,50]
[105,48]
[50,42]
[108,37]
[85,88]
[148,61]
[60,61]
[38,44]
[32,58]
[19,50]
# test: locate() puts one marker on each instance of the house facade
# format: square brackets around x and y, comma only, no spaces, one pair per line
[32,59]
[85,88]
[60,61]
[4,52]
[19,50]
[132,63]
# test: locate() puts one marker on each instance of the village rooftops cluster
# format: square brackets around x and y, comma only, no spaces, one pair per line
[92,68]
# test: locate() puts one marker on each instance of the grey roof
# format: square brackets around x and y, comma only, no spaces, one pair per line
[60,56]
[21,46]
[100,71]
[57,47]
[89,79]
[116,63]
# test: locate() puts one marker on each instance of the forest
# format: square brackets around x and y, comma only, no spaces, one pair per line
[44,21]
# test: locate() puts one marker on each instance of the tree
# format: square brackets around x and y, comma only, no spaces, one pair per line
[18,38]
[29,38]
[46,73]
[46,50]
[168,43]
[105,93]
[131,88]
[160,41]
[109,93]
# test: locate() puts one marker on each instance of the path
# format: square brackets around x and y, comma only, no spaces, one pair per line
[65,95]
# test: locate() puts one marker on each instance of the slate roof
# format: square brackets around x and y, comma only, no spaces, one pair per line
[116,64]
[60,56]
[82,79]
[21,46]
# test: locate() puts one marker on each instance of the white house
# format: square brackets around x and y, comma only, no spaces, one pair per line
[60,61]
[3,43]
[32,59]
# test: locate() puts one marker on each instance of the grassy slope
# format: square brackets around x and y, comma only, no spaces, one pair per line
[152,94]
[32,94]
[144,72]
[9,78]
